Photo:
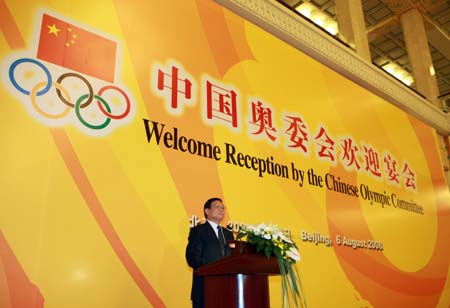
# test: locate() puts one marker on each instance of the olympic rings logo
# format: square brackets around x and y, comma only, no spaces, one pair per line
[78,104]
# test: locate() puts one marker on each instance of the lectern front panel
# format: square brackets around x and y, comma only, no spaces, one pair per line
[237,291]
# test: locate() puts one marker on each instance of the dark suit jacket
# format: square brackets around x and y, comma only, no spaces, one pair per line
[203,248]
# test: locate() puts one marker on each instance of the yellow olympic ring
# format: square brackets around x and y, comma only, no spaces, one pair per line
[42,112]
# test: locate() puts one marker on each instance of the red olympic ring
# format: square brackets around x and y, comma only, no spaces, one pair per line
[107,113]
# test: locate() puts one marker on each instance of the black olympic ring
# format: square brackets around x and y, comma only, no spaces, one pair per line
[91,91]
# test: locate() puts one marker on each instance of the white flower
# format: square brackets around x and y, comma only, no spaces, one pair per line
[284,238]
[267,236]
[293,253]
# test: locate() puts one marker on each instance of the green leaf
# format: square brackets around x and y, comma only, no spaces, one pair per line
[259,246]
[240,235]
[277,251]
[251,238]
[268,251]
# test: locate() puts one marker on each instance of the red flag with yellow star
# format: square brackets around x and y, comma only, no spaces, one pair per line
[69,46]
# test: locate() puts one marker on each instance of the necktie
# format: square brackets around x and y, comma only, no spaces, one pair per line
[221,240]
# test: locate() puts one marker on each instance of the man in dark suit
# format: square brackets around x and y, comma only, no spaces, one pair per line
[206,244]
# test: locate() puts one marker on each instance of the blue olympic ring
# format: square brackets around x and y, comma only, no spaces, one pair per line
[18,87]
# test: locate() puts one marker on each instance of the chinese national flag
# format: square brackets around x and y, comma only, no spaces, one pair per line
[69,46]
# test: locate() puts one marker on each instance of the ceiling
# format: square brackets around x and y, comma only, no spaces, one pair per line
[385,35]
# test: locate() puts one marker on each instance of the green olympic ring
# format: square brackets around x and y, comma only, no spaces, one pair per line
[77,111]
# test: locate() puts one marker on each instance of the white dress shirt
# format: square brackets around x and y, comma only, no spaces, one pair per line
[214,226]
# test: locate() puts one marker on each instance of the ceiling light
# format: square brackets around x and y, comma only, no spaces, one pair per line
[318,18]
[331,27]
[389,68]
[432,72]
[398,72]
[408,80]
[305,9]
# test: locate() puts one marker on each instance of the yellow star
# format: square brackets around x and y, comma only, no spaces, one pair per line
[53,29]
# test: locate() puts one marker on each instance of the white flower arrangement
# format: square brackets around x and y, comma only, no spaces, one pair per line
[270,240]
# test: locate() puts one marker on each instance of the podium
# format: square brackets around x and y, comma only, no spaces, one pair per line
[239,280]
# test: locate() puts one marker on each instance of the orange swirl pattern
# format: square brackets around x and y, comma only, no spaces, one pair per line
[373,274]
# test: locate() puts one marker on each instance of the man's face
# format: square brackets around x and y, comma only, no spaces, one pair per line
[216,212]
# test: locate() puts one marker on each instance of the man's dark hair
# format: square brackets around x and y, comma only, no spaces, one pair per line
[208,204]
